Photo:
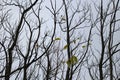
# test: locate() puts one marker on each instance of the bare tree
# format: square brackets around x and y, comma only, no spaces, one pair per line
[106,24]
[64,20]
[56,40]
[30,52]
[12,49]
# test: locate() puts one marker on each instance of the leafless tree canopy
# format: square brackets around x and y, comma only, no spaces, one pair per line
[59,40]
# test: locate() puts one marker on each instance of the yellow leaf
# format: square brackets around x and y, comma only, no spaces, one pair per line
[83,46]
[68,63]
[73,60]
[65,47]
[57,39]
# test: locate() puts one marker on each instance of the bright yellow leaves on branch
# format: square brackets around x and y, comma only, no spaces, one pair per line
[72,61]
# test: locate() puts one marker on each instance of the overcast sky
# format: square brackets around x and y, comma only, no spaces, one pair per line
[47,16]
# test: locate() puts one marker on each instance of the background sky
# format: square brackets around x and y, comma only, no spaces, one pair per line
[48,26]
